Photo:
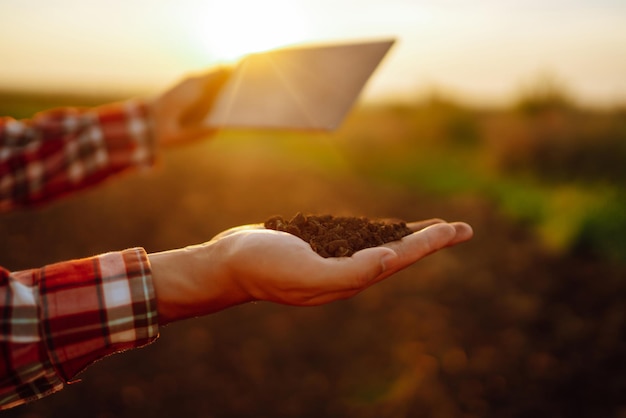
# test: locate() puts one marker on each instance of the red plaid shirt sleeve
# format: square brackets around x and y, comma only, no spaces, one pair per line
[64,150]
[59,319]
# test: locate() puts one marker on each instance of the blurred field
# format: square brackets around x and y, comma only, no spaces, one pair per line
[526,320]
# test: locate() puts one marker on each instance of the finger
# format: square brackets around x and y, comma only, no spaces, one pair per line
[417,246]
[324,298]
[205,91]
[424,241]
[419,225]
[347,276]
[337,278]
[464,232]
[238,229]
[372,265]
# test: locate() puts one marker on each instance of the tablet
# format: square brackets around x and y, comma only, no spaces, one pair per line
[309,87]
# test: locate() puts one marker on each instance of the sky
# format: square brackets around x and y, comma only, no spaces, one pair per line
[482,51]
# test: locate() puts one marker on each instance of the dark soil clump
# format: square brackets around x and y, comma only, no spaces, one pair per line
[331,236]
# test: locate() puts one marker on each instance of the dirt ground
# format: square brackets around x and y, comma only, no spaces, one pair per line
[496,327]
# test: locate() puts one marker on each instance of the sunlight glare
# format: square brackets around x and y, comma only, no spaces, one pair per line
[240,27]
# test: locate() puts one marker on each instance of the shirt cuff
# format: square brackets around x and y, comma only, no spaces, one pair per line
[94,307]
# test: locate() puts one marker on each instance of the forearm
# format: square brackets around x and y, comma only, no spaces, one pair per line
[66,150]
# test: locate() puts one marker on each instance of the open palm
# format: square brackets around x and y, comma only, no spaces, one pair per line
[251,263]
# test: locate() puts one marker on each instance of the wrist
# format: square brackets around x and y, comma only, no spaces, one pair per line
[193,281]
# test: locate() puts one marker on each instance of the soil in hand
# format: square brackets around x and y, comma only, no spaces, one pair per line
[331,236]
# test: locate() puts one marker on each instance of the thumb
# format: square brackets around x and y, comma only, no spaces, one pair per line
[178,113]
[202,92]
[412,248]
[368,266]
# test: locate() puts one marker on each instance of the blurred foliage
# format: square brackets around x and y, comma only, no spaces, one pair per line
[526,320]
[545,162]
[543,93]
[19,104]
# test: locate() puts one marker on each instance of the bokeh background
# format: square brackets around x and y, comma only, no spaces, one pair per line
[509,115]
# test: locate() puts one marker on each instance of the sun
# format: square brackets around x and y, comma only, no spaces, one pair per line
[238,27]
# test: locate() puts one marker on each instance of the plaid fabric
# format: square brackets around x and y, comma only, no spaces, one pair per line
[59,319]
[64,150]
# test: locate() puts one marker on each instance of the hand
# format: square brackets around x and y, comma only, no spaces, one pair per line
[252,263]
[178,113]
